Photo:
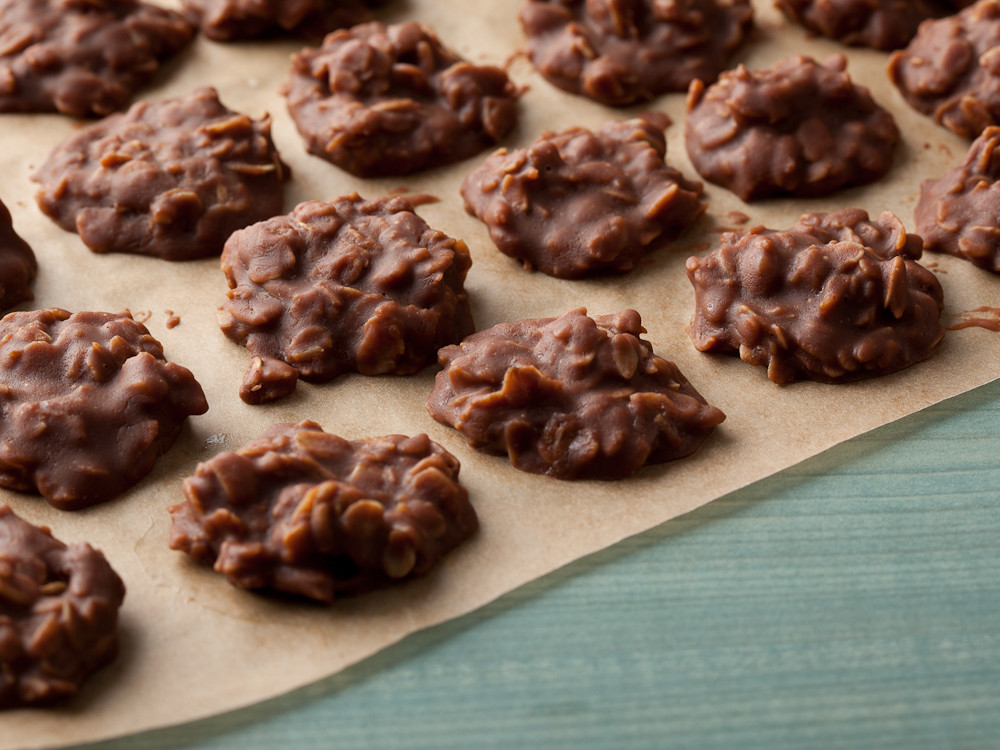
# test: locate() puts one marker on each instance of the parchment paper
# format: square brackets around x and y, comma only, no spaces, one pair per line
[192,645]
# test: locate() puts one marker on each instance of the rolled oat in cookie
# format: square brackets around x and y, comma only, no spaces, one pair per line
[572,397]
[951,69]
[351,285]
[304,512]
[621,52]
[235,20]
[382,100]
[580,203]
[798,128]
[171,179]
[83,57]
[87,404]
[58,613]
[959,213]
[17,264]
[814,303]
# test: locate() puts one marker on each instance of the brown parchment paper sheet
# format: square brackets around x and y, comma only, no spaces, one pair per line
[192,645]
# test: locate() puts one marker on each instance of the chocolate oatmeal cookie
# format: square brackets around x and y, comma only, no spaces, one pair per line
[302,511]
[351,285]
[172,179]
[798,128]
[808,307]
[390,100]
[571,397]
[83,57]
[951,69]
[87,404]
[58,613]
[959,213]
[17,264]
[579,203]
[621,52]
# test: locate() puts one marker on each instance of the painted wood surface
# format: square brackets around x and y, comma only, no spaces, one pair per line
[850,602]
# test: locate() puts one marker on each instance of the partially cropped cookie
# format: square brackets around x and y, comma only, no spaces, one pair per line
[58,613]
[87,404]
[799,128]
[382,100]
[171,179]
[959,213]
[579,203]
[17,264]
[951,69]
[620,53]
[814,303]
[304,512]
[572,397]
[83,57]
[880,24]
[235,20]
[351,285]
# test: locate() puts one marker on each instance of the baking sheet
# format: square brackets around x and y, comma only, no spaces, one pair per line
[192,645]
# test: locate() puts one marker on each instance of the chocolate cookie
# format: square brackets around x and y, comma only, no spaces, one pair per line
[959,213]
[571,397]
[87,404]
[17,264]
[82,57]
[390,100]
[58,613]
[345,286]
[951,69]
[305,512]
[798,128]
[234,20]
[620,52]
[879,24]
[171,179]
[579,203]
[830,311]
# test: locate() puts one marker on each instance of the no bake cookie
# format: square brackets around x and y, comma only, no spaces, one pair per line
[572,397]
[87,404]
[58,613]
[304,512]
[350,285]
[382,100]
[171,179]
[579,203]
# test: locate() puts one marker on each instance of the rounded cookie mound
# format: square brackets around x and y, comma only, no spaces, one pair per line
[234,20]
[17,264]
[831,311]
[579,203]
[959,213]
[880,24]
[170,179]
[798,128]
[390,100]
[571,397]
[58,613]
[951,69]
[87,404]
[82,57]
[621,52]
[345,286]
[305,512]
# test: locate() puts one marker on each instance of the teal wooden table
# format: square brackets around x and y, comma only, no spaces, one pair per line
[852,601]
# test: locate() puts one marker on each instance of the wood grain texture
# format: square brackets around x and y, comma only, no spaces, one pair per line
[852,601]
